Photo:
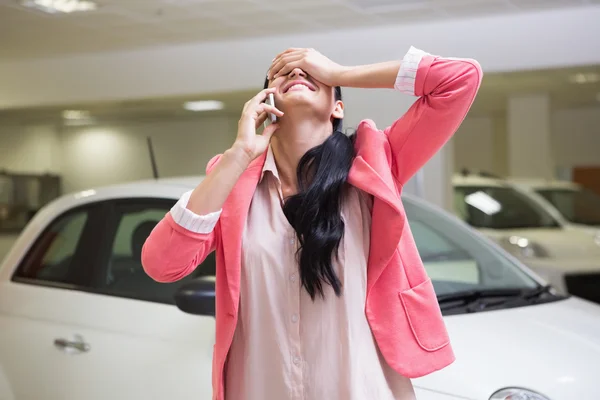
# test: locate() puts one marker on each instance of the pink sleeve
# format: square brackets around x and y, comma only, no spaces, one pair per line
[179,242]
[447,88]
[172,252]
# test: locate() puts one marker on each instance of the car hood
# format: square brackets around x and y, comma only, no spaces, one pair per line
[559,243]
[552,348]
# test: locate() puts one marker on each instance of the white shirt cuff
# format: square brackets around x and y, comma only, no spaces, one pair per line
[405,80]
[190,220]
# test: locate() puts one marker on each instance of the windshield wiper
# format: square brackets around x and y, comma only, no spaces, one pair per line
[470,295]
[480,299]
[537,292]
[542,292]
[476,299]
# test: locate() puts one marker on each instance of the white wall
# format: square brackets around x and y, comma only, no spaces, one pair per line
[529,136]
[30,149]
[97,155]
[27,149]
[576,137]
[6,242]
[575,141]
[102,154]
[105,154]
[474,145]
[507,42]
[384,107]
[88,156]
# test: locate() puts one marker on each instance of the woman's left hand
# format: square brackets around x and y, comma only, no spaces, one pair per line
[310,61]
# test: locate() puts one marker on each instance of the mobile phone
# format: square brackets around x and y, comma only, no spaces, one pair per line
[271,102]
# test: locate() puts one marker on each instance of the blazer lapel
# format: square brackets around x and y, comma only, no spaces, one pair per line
[233,219]
[388,218]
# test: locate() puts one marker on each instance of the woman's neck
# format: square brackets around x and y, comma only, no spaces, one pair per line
[291,141]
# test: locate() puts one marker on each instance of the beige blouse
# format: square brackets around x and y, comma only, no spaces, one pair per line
[287,346]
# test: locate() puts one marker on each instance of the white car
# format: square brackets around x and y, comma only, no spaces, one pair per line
[567,258]
[576,206]
[80,319]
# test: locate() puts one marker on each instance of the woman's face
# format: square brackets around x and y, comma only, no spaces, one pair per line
[298,90]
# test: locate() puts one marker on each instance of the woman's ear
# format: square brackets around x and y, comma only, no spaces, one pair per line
[338,110]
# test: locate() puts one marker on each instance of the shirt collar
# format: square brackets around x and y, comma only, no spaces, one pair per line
[269,165]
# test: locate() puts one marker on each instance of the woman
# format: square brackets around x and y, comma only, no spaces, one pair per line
[320,293]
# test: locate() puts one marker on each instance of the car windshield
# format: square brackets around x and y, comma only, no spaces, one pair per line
[496,207]
[456,258]
[580,206]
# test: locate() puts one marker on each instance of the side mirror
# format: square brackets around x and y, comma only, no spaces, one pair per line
[197,296]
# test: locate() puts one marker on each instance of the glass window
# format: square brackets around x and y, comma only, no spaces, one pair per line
[496,207]
[444,259]
[52,256]
[124,275]
[578,206]
[456,259]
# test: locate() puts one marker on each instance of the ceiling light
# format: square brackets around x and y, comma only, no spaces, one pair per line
[60,6]
[75,114]
[208,105]
[582,78]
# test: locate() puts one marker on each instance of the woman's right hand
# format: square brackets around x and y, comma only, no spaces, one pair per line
[254,114]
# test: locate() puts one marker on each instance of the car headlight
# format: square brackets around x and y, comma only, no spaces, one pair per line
[523,247]
[517,394]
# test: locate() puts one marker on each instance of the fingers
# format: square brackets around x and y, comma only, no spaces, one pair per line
[287,51]
[260,113]
[283,65]
[269,131]
[262,117]
[277,60]
[270,109]
[280,61]
[259,98]
[263,94]
[255,106]
[289,67]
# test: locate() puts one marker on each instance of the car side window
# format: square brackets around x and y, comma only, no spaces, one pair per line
[124,274]
[52,256]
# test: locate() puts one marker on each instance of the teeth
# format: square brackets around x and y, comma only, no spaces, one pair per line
[298,85]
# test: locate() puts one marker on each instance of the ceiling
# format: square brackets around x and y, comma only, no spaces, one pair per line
[491,100]
[126,24]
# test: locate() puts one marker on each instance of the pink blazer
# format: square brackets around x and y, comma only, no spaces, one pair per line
[401,305]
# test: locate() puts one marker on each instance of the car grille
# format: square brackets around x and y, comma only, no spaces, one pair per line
[586,286]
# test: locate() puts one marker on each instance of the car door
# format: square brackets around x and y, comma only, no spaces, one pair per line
[114,333]
[38,312]
[143,345]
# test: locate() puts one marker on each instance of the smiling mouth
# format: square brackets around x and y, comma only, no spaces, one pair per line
[298,86]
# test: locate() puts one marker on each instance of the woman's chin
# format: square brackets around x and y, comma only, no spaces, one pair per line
[299,98]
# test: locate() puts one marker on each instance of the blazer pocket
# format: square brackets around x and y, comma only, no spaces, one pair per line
[424,316]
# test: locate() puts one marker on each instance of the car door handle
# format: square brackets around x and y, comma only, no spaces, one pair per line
[77,345]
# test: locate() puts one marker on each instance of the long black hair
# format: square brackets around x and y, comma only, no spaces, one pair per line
[315,211]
